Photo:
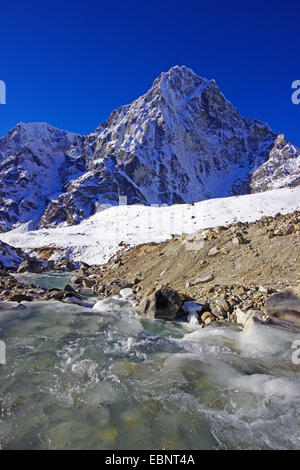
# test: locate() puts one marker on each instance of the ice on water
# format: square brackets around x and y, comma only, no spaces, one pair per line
[103,378]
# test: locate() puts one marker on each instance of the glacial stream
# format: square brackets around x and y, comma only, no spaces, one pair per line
[84,378]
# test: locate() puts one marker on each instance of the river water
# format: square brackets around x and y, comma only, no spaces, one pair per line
[103,378]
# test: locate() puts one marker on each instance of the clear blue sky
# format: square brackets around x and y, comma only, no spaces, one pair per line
[71,63]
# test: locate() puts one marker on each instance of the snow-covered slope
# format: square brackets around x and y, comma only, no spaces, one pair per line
[30,156]
[97,238]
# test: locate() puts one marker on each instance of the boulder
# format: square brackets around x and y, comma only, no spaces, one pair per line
[202,279]
[285,305]
[284,324]
[76,280]
[57,295]
[72,298]
[233,318]
[88,283]
[205,316]
[251,320]
[70,295]
[213,251]
[219,307]
[83,269]
[113,287]
[164,303]
[30,266]
[20,297]
[243,318]
[69,288]
[239,239]
[50,265]
[68,265]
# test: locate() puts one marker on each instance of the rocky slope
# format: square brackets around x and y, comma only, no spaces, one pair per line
[282,169]
[235,270]
[180,142]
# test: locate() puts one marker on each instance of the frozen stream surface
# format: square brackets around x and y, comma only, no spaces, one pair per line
[103,378]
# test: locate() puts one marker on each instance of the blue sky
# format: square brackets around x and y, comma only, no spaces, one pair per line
[71,63]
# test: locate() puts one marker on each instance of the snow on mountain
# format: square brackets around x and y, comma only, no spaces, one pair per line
[181,142]
[281,170]
[30,156]
[10,257]
[98,238]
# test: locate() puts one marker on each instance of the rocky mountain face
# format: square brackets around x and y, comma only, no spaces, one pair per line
[180,142]
[30,158]
[282,169]
[10,256]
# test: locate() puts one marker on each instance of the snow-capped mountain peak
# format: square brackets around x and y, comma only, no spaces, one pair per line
[182,141]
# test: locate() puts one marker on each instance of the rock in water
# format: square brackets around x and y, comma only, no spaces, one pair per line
[285,305]
[30,266]
[165,304]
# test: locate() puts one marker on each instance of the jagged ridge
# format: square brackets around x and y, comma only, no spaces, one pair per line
[180,142]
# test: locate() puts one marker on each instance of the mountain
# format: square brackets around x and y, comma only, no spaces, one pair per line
[30,157]
[10,257]
[180,142]
[281,170]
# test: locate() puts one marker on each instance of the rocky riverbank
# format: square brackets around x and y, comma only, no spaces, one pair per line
[15,261]
[229,272]
[239,273]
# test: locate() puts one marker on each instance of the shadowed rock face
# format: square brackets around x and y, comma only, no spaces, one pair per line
[180,142]
[30,157]
[9,256]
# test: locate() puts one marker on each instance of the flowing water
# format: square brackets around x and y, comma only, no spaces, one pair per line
[103,378]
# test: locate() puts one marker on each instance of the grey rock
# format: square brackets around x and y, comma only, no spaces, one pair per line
[20,297]
[69,288]
[57,295]
[30,266]
[70,294]
[113,287]
[76,279]
[50,265]
[165,304]
[285,305]
[213,251]
[202,279]
[88,283]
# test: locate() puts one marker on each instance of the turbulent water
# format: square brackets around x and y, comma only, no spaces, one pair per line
[86,378]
